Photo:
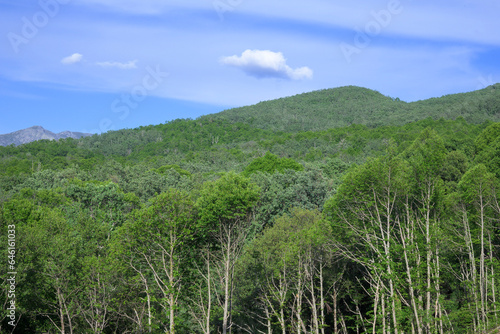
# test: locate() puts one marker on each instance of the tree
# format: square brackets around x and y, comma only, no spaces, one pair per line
[388,216]
[155,237]
[364,211]
[478,190]
[225,208]
[488,148]
[47,259]
[282,192]
[289,269]
[426,157]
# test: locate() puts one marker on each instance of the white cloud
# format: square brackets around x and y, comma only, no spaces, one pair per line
[73,59]
[267,64]
[124,66]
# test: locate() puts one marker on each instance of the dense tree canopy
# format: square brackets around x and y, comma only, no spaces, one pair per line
[215,225]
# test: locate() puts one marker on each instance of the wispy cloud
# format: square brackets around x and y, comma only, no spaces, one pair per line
[144,7]
[124,66]
[267,64]
[73,59]
[77,57]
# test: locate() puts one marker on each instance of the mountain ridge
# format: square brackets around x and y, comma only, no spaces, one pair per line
[326,109]
[35,133]
[339,107]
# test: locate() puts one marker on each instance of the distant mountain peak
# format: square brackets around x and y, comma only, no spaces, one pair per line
[35,133]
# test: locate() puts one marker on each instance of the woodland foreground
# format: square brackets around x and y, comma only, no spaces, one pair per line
[218,226]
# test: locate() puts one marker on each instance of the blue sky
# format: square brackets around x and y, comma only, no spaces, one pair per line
[99,65]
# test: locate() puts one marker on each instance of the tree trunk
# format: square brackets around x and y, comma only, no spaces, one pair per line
[227,267]
[493,288]
[375,308]
[335,310]
[404,237]
[61,309]
[482,276]
[322,297]
[209,302]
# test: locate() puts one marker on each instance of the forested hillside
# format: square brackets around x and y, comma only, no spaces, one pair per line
[224,224]
[340,107]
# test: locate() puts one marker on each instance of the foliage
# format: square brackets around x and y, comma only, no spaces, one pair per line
[228,199]
[333,211]
[271,163]
[341,107]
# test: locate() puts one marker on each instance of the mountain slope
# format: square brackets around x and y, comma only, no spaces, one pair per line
[339,107]
[36,133]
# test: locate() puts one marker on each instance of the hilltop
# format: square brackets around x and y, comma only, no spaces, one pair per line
[343,106]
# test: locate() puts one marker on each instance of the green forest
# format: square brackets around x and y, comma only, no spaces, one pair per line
[336,211]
